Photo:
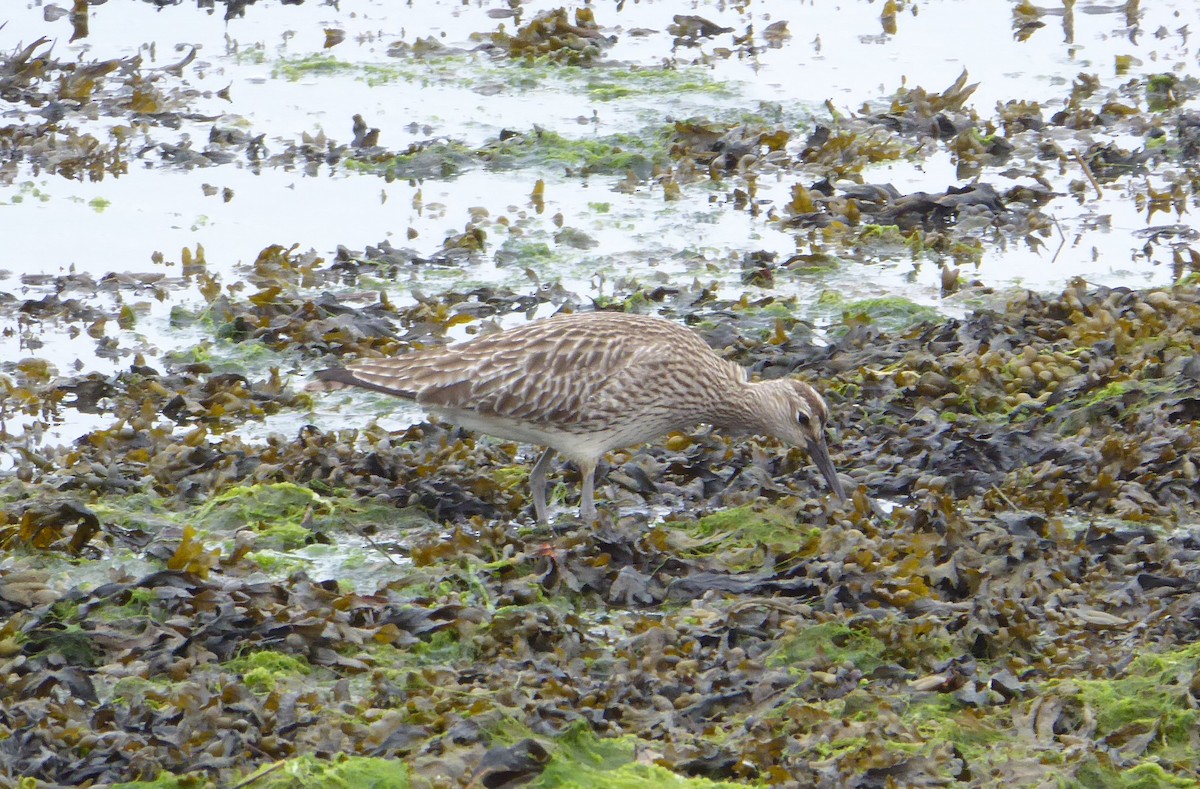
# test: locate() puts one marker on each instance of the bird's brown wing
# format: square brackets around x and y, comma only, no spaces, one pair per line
[544,372]
[568,371]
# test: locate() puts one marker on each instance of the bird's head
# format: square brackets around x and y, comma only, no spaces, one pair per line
[794,412]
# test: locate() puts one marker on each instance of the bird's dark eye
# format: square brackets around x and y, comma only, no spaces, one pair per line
[803,418]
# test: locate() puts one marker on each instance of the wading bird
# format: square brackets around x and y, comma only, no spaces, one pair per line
[586,383]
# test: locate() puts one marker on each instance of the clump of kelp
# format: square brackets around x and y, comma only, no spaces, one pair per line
[1026,613]
[63,97]
[555,36]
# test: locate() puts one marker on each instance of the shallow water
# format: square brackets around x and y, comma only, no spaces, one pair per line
[837,53]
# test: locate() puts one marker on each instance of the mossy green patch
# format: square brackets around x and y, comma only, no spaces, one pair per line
[524,252]
[577,775]
[229,354]
[1155,693]
[613,84]
[1134,395]
[138,604]
[340,772]
[275,662]
[1108,392]
[835,749]
[277,512]
[614,153]
[440,648]
[579,759]
[72,642]
[509,477]
[149,691]
[438,159]
[294,529]
[942,718]
[829,644]
[163,781]
[444,647]
[429,70]
[1094,775]
[738,536]
[293,69]
[278,563]
[262,671]
[782,308]
[286,515]
[138,511]
[304,772]
[890,314]
[447,68]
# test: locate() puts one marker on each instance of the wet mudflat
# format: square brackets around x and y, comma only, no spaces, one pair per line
[211,577]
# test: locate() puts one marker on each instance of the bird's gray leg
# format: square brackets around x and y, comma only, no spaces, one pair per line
[537,484]
[587,497]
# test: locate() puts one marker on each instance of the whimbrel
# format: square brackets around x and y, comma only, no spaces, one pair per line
[587,383]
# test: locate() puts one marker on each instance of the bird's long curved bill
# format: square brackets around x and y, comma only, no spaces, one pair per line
[819,453]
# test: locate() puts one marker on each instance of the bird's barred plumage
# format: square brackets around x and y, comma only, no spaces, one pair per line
[587,383]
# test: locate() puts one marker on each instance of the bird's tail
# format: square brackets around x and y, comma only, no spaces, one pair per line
[342,377]
[331,380]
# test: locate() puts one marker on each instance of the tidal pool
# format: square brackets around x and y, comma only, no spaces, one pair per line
[433,81]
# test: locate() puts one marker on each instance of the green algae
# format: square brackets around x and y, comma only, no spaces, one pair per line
[294,528]
[1094,775]
[510,477]
[630,775]
[438,159]
[436,69]
[612,84]
[524,251]
[581,760]
[739,536]
[279,564]
[891,314]
[352,772]
[828,644]
[294,69]
[446,647]
[286,515]
[340,772]
[538,149]
[1155,694]
[780,309]
[27,189]
[68,639]
[975,733]
[228,354]
[263,671]
[451,69]
[277,512]
[1151,699]
[613,153]
[742,526]
[140,603]
[275,662]
[163,781]
[138,511]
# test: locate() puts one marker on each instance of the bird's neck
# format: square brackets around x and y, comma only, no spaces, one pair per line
[741,408]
